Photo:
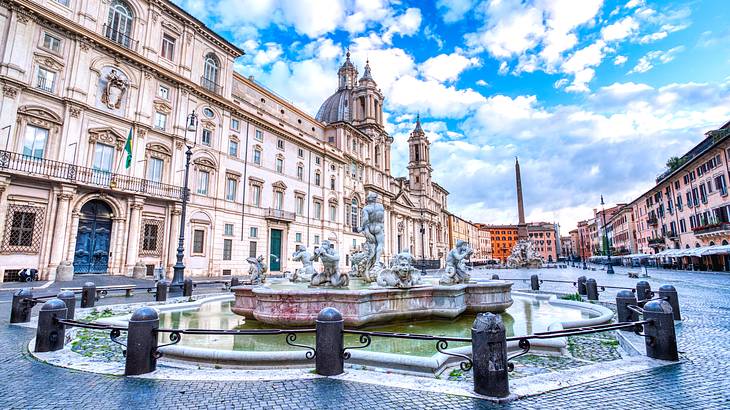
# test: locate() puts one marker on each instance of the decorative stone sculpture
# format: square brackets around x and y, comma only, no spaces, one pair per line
[64,271]
[257,270]
[331,275]
[373,227]
[113,93]
[305,273]
[524,255]
[455,270]
[401,273]
[362,262]
[139,271]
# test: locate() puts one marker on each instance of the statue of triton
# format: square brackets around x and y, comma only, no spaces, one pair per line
[373,217]
[455,272]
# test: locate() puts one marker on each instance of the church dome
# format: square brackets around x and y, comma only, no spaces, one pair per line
[336,107]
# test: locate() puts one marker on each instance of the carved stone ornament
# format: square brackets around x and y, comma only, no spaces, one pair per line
[84,46]
[208,124]
[166,24]
[114,91]
[22,18]
[74,111]
[162,106]
[107,136]
[10,92]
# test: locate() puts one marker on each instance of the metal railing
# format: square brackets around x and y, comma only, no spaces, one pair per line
[120,37]
[211,85]
[278,214]
[45,84]
[33,166]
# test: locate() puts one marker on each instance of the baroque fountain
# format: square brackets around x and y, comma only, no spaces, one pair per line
[372,292]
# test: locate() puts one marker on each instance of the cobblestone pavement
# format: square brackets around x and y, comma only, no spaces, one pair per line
[700,382]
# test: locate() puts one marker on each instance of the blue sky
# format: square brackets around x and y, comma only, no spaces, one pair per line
[592,95]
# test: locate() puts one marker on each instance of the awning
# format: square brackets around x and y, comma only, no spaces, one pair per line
[696,252]
[636,255]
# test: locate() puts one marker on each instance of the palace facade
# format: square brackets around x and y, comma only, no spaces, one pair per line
[80,79]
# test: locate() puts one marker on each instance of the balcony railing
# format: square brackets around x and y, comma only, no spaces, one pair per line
[45,84]
[211,85]
[120,37]
[716,228]
[48,169]
[652,220]
[656,241]
[280,215]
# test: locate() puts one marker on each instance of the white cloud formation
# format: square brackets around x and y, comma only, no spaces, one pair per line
[447,67]
[406,24]
[482,83]
[620,60]
[581,64]
[651,58]
[454,10]
[620,29]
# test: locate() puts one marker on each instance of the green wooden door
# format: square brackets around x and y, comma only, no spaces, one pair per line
[275,257]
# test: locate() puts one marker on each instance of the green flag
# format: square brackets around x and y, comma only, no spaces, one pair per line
[128,150]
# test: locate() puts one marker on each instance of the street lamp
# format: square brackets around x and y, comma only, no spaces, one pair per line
[609,269]
[423,246]
[582,250]
[179,268]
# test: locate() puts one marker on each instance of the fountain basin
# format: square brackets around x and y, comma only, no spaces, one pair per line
[359,307]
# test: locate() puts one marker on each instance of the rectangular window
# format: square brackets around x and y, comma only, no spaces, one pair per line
[317,179]
[279,200]
[34,143]
[154,169]
[253,232]
[198,241]
[332,184]
[279,165]
[317,160]
[235,124]
[709,187]
[51,42]
[300,172]
[280,144]
[150,235]
[103,157]
[231,186]
[163,92]
[207,137]
[21,230]
[316,239]
[720,184]
[695,197]
[203,179]
[228,230]
[64,2]
[703,193]
[318,210]
[46,79]
[233,148]
[679,202]
[257,157]
[168,47]
[227,249]
[256,195]
[333,213]
[300,205]
[298,237]
[300,153]
[252,249]
[259,135]
[160,120]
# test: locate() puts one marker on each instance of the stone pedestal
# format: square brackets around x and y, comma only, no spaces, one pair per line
[64,271]
[139,271]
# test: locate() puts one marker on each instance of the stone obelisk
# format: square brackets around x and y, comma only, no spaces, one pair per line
[521,225]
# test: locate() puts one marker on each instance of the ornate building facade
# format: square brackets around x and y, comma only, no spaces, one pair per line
[80,79]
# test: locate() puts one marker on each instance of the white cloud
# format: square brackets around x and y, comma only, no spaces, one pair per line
[581,64]
[406,24]
[454,10]
[447,67]
[432,97]
[482,83]
[634,3]
[620,29]
[266,56]
[503,68]
[651,58]
[620,60]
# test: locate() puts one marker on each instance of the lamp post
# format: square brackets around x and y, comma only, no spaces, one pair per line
[179,268]
[423,246]
[609,268]
[582,250]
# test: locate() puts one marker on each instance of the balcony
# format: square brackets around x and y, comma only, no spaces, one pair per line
[656,242]
[279,215]
[211,85]
[652,220]
[712,230]
[45,84]
[60,171]
[120,37]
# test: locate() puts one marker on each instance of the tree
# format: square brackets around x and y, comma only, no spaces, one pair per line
[674,163]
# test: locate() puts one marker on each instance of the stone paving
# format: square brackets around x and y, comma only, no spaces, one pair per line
[700,382]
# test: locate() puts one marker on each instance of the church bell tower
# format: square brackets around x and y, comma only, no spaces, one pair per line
[419,162]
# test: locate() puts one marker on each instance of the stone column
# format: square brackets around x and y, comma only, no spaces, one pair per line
[4,184]
[135,220]
[59,227]
[173,238]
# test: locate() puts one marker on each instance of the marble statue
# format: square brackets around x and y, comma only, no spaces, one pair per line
[400,273]
[373,227]
[361,263]
[257,270]
[305,273]
[331,275]
[113,93]
[455,271]
[524,255]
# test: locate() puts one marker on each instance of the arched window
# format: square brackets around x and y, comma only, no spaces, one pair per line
[119,23]
[354,213]
[211,72]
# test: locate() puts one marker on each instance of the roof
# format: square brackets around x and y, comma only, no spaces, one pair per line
[336,107]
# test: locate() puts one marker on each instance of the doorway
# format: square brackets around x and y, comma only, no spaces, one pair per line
[275,247]
[93,238]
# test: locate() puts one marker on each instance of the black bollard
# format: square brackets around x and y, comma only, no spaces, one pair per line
[489,354]
[495,277]
[50,335]
[235,282]
[161,293]
[582,285]
[669,293]
[643,291]
[329,343]
[188,287]
[624,299]
[591,289]
[661,340]
[142,342]
[22,306]
[69,298]
[88,295]
[534,282]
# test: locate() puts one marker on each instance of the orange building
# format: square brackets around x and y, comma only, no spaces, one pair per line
[504,238]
